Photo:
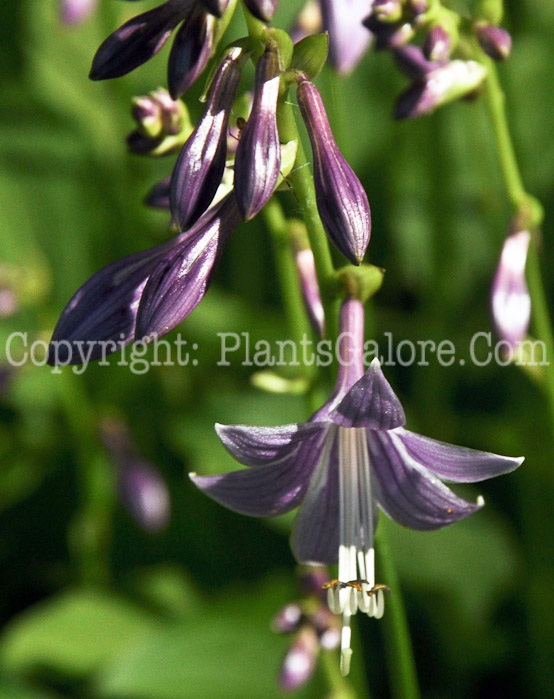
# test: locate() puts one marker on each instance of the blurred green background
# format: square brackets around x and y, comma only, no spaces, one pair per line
[93,606]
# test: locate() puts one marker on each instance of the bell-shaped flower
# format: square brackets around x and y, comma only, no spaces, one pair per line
[353,457]
[341,200]
[136,41]
[201,162]
[145,294]
[262,9]
[444,83]
[349,39]
[191,50]
[511,303]
[258,155]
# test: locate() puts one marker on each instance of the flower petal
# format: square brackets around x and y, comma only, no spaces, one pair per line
[192,49]
[409,493]
[265,491]
[257,446]
[453,463]
[315,534]
[371,403]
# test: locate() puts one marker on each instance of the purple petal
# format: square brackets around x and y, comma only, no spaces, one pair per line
[371,402]
[191,51]
[262,9]
[181,279]
[256,446]
[103,311]
[315,534]
[200,165]
[215,7]
[158,196]
[258,157]
[136,41]
[453,463]
[265,491]
[300,660]
[408,492]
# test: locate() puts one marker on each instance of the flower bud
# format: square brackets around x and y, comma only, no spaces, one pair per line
[387,10]
[200,165]
[307,274]
[438,44]
[158,196]
[411,61]
[495,41]
[215,7]
[417,7]
[348,37]
[307,22]
[287,618]
[511,303]
[141,488]
[157,114]
[191,50]
[388,35]
[136,41]
[76,11]
[445,84]
[341,200]
[327,626]
[258,156]
[299,662]
[262,9]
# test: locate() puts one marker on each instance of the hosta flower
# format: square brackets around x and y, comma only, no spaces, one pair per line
[258,156]
[511,303]
[201,162]
[353,457]
[341,200]
[144,294]
[349,39]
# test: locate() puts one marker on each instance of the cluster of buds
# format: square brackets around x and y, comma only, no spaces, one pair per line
[212,188]
[312,626]
[438,65]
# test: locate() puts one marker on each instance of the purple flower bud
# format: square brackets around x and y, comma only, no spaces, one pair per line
[299,662]
[161,285]
[192,49]
[157,114]
[136,41]
[445,84]
[305,265]
[348,37]
[287,618]
[438,44]
[258,156]
[262,9]
[388,35]
[141,488]
[215,7]
[418,7]
[76,11]
[307,21]
[495,41]
[200,165]
[511,303]
[312,580]
[341,200]
[180,280]
[412,61]
[158,196]
[327,626]
[387,10]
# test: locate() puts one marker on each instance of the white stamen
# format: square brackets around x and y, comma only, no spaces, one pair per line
[345,650]
[480,500]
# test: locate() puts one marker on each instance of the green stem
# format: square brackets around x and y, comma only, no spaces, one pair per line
[301,180]
[340,687]
[399,652]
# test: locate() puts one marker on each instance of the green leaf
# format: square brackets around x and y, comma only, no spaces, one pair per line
[310,54]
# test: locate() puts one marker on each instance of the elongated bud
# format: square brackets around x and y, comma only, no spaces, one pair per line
[299,662]
[411,61]
[348,37]
[136,41]
[495,41]
[262,9]
[215,7]
[438,44]
[200,165]
[142,489]
[511,303]
[389,35]
[158,196]
[341,200]
[287,619]
[258,157]
[76,11]
[305,265]
[191,50]
[444,84]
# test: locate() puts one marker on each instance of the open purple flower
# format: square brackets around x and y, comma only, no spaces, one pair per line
[350,458]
